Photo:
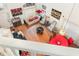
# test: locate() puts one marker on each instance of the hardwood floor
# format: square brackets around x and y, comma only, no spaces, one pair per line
[30,33]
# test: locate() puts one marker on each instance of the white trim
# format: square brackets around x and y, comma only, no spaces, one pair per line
[38,47]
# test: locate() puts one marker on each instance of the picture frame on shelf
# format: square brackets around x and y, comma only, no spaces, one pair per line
[16,11]
[28,4]
[16,21]
[56,14]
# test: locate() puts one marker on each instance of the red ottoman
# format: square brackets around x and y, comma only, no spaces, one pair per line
[59,40]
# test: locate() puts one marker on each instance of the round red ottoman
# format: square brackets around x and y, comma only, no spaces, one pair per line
[59,40]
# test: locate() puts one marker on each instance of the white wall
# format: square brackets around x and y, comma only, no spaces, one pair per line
[74,18]
[8,16]
[72,27]
[10,6]
[3,17]
[65,8]
[4,20]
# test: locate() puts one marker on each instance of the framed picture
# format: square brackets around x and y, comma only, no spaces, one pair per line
[56,14]
[29,4]
[16,12]
[16,21]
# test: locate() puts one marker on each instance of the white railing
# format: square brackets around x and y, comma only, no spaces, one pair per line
[38,47]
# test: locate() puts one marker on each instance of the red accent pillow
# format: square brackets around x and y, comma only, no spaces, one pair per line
[70,40]
[39,11]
